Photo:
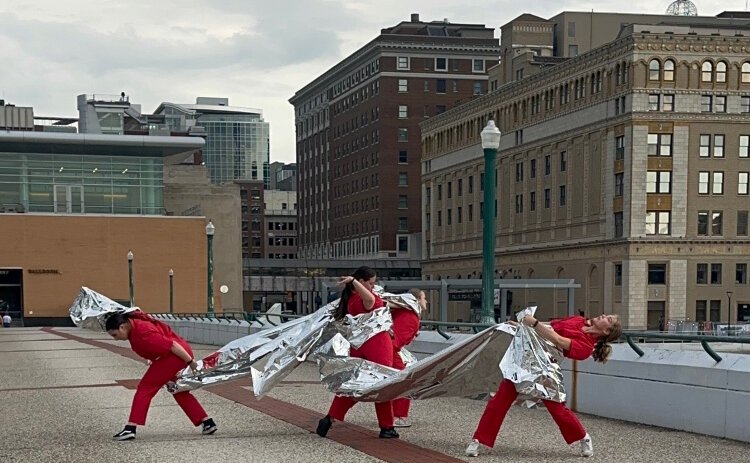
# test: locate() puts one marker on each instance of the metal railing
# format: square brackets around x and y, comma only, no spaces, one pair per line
[704,339]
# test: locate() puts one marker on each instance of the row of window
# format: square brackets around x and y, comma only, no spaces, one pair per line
[710,223]
[354,78]
[713,182]
[704,276]
[356,228]
[710,72]
[563,165]
[282,241]
[440,64]
[660,144]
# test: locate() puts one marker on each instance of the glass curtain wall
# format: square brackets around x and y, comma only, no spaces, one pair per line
[77,184]
[237,147]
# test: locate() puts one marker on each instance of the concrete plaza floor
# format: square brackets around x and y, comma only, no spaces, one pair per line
[65,392]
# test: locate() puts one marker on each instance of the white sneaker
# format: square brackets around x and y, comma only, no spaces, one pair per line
[587,448]
[472,450]
[401,423]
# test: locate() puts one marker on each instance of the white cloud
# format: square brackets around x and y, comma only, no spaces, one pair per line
[257,53]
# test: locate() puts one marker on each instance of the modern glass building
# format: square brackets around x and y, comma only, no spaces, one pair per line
[237,139]
[87,174]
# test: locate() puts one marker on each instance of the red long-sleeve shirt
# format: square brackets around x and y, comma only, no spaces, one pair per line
[405,327]
[151,338]
[357,307]
[581,344]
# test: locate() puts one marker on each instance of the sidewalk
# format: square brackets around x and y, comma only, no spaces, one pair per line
[65,392]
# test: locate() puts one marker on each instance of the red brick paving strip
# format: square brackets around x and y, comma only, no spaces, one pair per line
[351,435]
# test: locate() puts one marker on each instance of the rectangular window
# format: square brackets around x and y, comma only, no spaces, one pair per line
[619,224]
[744,143]
[532,201]
[703,182]
[459,217]
[403,157]
[618,274]
[403,134]
[547,165]
[717,223]
[402,62]
[440,192]
[547,195]
[477,88]
[450,190]
[403,180]
[657,274]
[403,85]
[619,184]
[562,195]
[449,216]
[653,102]
[701,274]
[705,146]
[718,146]
[658,222]
[403,112]
[718,183]
[720,104]
[403,244]
[427,219]
[742,180]
[572,51]
[477,65]
[620,147]
[706,101]
[519,171]
[519,204]
[740,274]
[668,103]
[470,213]
[471,184]
[660,144]
[440,86]
[440,218]
[700,311]
[741,223]
[715,274]
[426,85]
[745,104]
[715,310]
[441,64]
[460,187]
[563,161]
[403,224]
[659,182]
[532,168]
[403,202]
[703,223]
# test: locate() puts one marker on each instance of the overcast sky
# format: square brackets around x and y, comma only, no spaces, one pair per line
[255,52]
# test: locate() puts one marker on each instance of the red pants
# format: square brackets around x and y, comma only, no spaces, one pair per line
[492,418]
[378,349]
[400,406]
[158,374]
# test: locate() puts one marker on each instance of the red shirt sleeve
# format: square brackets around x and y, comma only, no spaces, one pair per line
[357,306]
[148,340]
[580,349]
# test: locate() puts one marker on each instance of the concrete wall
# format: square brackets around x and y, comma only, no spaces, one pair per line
[683,390]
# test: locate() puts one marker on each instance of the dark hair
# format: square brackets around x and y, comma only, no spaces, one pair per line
[115,320]
[602,348]
[362,273]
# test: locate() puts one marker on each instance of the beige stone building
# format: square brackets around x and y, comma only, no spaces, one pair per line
[625,167]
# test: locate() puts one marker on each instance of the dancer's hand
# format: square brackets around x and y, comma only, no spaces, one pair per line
[194,367]
[343,281]
[528,320]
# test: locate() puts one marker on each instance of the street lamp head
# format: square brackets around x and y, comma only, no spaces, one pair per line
[210,228]
[490,136]
[729,293]
[171,272]
[130,255]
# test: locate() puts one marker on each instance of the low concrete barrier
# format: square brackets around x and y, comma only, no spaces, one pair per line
[677,389]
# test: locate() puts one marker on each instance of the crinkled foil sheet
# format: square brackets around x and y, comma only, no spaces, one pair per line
[91,309]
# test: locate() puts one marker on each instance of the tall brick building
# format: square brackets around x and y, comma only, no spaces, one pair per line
[358,137]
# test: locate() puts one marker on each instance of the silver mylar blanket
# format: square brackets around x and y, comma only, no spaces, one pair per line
[531,364]
[91,309]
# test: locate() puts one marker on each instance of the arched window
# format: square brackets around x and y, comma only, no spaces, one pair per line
[668,70]
[746,73]
[654,69]
[721,71]
[707,71]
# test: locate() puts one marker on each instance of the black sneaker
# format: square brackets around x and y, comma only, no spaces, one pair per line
[209,427]
[126,434]
[323,426]
[388,433]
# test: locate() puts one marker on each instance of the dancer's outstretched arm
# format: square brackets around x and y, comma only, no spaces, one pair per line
[546,332]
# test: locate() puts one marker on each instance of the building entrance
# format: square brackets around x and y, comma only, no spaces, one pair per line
[11,294]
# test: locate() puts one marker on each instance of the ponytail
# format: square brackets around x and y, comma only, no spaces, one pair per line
[603,349]
[362,273]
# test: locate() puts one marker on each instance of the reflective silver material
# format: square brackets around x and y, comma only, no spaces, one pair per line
[531,363]
[362,327]
[405,300]
[465,369]
[91,309]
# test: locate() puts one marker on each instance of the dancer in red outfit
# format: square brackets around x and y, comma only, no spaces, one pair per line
[578,339]
[168,354]
[405,329]
[357,298]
